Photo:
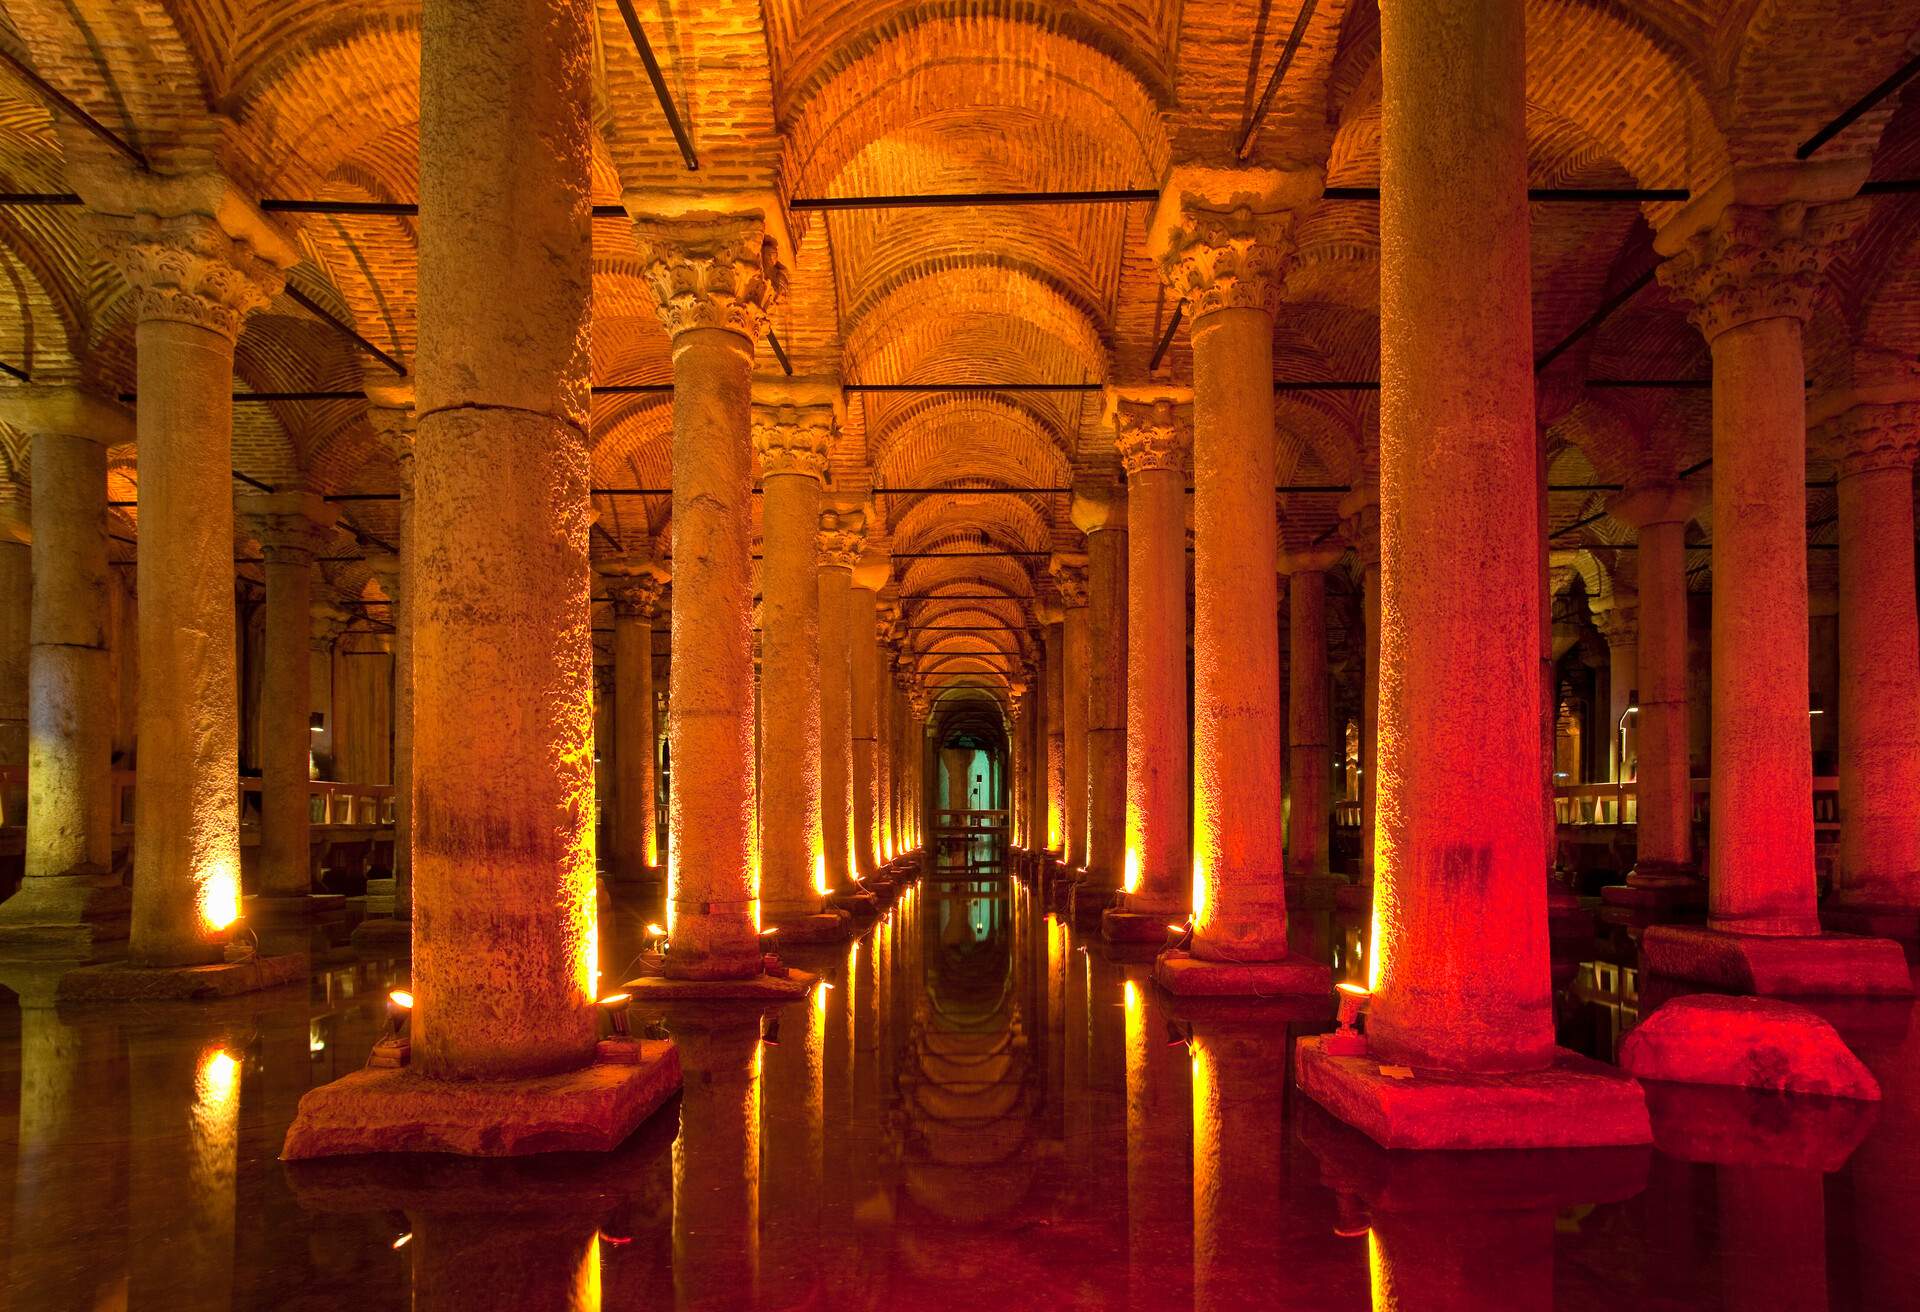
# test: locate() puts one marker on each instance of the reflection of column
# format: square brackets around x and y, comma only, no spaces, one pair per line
[487,1261]
[1223,241]
[292,527]
[1309,724]
[1159,1149]
[1879,866]
[1070,579]
[1239,1089]
[793,444]
[1773,1234]
[793,1168]
[1056,723]
[1461,1260]
[194,284]
[67,894]
[1104,521]
[1154,437]
[1750,277]
[181,1184]
[841,536]
[716,1160]
[863,632]
[635,587]
[714,280]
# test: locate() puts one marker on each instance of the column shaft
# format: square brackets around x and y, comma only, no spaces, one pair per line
[1056,719]
[1074,686]
[791,842]
[1107,639]
[1159,874]
[1370,712]
[287,742]
[863,648]
[836,721]
[636,853]
[1663,798]
[1309,757]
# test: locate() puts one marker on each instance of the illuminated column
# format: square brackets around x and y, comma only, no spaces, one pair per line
[1309,727]
[1016,758]
[841,540]
[716,1160]
[635,586]
[1619,624]
[1239,1090]
[68,895]
[1663,870]
[714,279]
[885,848]
[955,761]
[1222,238]
[1154,437]
[1037,753]
[792,442]
[1070,580]
[1751,275]
[863,621]
[195,279]
[1360,523]
[292,528]
[1159,1138]
[1056,718]
[1104,520]
[1878,875]
[1459,951]
[390,411]
[16,609]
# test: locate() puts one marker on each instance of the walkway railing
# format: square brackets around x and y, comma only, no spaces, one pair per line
[329,802]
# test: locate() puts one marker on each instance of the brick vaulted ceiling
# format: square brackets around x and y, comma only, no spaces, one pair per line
[846,98]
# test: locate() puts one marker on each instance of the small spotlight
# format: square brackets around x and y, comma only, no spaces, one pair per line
[770,1030]
[403,1240]
[655,931]
[395,1047]
[616,1007]
[1176,1037]
[1348,1041]
[317,722]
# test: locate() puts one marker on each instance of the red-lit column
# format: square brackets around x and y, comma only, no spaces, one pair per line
[1309,727]
[1750,275]
[883,836]
[1056,724]
[1360,523]
[1070,580]
[1103,518]
[863,620]
[1878,876]
[1154,437]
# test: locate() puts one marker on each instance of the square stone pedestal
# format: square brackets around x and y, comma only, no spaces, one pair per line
[826,927]
[1354,897]
[1753,963]
[383,936]
[1575,1103]
[1087,903]
[1185,975]
[394,1110]
[120,982]
[1678,895]
[1901,923]
[754,988]
[1117,926]
[65,917]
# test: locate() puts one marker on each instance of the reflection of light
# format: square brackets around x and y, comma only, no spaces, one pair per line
[218,897]
[316,1042]
[214,1087]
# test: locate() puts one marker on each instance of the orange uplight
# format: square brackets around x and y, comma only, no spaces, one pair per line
[213,1087]
[820,874]
[1354,990]
[403,1240]
[218,897]
[614,999]
[1130,880]
[401,998]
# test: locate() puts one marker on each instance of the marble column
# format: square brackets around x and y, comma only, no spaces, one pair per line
[1016,759]
[1309,727]
[792,443]
[195,280]
[1664,871]
[1154,436]
[1037,753]
[1750,276]
[1877,878]
[390,411]
[635,586]
[1103,518]
[841,539]
[1052,618]
[1360,524]
[1070,580]
[1223,240]
[68,897]
[714,279]
[863,647]
[16,609]
[292,527]
[1619,625]
[885,848]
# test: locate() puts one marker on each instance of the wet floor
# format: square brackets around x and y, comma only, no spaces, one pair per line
[978,1107]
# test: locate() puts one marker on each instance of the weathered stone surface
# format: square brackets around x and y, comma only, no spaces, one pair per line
[1754,1043]
[1182,973]
[125,982]
[751,988]
[1796,964]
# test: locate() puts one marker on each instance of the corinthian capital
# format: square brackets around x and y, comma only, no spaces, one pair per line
[710,270]
[843,536]
[793,439]
[1152,435]
[1224,236]
[1868,438]
[1069,570]
[292,527]
[1758,262]
[186,269]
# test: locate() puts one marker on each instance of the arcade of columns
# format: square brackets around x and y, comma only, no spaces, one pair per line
[778,815]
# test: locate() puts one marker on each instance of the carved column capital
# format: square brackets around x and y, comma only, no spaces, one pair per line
[1069,570]
[391,414]
[1360,525]
[1868,438]
[186,269]
[793,440]
[1224,237]
[711,271]
[1619,623]
[636,585]
[1152,435]
[329,622]
[293,527]
[1758,262]
[843,537]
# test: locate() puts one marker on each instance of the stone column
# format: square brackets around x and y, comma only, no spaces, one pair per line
[1037,755]
[1664,872]
[1459,946]
[1103,519]
[792,443]
[1619,624]
[1017,707]
[292,528]
[195,279]
[1309,727]
[714,279]
[1360,524]
[1877,880]
[884,845]
[635,585]
[1070,580]
[16,610]
[841,539]
[390,411]
[68,899]
[1153,437]
[1051,616]
[1222,238]
[863,622]
[1750,275]
[955,761]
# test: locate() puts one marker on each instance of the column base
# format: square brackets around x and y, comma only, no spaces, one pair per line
[1574,1103]
[121,982]
[1725,1126]
[66,917]
[1086,903]
[1658,888]
[1118,926]
[383,936]
[864,906]
[1749,1043]
[821,927]
[1355,897]
[593,1109]
[1185,975]
[1896,922]
[638,878]
[1812,964]
[288,908]
[1313,892]
[753,988]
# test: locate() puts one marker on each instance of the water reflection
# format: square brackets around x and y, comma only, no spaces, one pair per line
[976,1105]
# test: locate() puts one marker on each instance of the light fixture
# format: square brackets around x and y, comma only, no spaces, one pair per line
[403,1240]
[317,722]
[770,1030]
[615,1007]
[1348,1041]
[395,1047]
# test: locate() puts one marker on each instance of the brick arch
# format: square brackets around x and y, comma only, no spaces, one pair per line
[1015,521]
[1798,63]
[937,438]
